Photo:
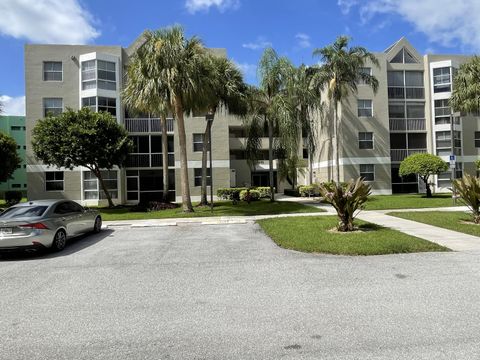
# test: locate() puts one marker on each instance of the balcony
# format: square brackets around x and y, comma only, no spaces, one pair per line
[398,155]
[148,160]
[407,125]
[147,125]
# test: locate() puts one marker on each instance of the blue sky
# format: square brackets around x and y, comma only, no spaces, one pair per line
[243,27]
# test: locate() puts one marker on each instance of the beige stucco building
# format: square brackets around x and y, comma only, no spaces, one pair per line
[408,114]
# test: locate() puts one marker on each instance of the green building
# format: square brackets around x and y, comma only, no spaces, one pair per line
[15,127]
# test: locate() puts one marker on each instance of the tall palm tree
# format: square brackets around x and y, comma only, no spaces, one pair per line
[466,93]
[268,108]
[146,92]
[227,90]
[339,74]
[184,73]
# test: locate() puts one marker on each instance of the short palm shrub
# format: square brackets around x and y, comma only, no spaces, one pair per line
[468,188]
[346,199]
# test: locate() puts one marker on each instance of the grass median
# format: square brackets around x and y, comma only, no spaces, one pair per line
[221,208]
[408,201]
[313,234]
[452,220]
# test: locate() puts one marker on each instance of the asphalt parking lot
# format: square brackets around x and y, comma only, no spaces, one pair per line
[227,292]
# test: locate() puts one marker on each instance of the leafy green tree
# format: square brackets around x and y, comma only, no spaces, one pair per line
[339,75]
[82,138]
[226,90]
[145,90]
[468,187]
[423,165]
[466,92]
[269,108]
[10,159]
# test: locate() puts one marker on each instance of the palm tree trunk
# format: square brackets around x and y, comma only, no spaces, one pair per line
[335,134]
[98,174]
[205,149]
[186,200]
[270,159]
[164,158]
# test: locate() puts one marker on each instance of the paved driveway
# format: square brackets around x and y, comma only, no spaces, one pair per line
[227,292]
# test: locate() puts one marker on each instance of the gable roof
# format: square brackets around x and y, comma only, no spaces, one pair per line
[402,43]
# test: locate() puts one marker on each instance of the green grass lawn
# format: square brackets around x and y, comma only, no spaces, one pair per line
[222,208]
[408,201]
[310,234]
[452,220]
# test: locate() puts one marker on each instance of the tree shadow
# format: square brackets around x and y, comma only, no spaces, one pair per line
[74,245]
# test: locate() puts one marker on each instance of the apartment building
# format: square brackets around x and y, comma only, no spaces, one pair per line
[408,114]
[14,126]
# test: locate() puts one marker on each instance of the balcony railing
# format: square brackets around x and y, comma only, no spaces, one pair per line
[148,160]
[147,125]
[398,155]
[407,125]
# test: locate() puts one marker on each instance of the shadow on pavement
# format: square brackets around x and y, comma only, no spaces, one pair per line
[73,245]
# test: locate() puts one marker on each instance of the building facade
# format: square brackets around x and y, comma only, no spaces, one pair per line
[14,126]
[408,114]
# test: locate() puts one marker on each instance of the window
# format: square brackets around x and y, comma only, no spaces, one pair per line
[90,102]
[15,128]
[106,75]
[365,108]
[415,110]
[365,140]
[396,111]
[88,75]
[404,57]
[443,139]
[54,181]
[477,139]
[198,142]
[108,105]
[441,80]
[92,189]
[16,186]
[198,177]
[367,172]
[52,106]
[364,70]
[141,144]
[52,71]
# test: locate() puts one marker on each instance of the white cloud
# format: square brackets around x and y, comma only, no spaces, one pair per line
[12,105]
[249,70]
[204,5]
[260,43]
[444,22]
[346,5]
[303,40]
[47,21]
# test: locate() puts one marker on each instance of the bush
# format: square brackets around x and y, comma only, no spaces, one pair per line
[264,191]
[291,192]
[468,187]
[13,197]
[249,195]
[308,190]
[230,193]
[153,206]
[346,199]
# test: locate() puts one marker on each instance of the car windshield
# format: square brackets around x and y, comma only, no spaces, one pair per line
[23,211]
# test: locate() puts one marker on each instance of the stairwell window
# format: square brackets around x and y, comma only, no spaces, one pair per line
[52,71]
[365,140]
[54,181]
[367,172]
[364,70]
[52,106]
[197,142]
[198,177]
[477,139]
[365,108]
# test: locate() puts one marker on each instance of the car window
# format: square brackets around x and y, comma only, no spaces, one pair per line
[62,208]
[75,207]
[23,211]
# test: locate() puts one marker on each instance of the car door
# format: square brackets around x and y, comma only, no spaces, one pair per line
[66,216]
[84,222]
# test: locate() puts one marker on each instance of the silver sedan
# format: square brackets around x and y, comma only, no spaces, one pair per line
[45,224]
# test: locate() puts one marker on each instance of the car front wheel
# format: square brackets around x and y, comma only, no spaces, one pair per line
[59,241]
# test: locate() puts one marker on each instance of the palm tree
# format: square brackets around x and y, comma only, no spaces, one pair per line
[466,94]
[145,92]
[268,108]
[184,74]
[339,74]
[227,90]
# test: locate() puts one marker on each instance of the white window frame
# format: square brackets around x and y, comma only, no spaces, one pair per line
[52,71]
[93,80]
[366,70]
[364,140]
[98,190]
[367,171]
[114,82]
[365,107]
[199,177]
[196,142]
[55,181]
[45,108]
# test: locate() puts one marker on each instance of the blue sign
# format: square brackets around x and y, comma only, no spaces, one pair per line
[452,157]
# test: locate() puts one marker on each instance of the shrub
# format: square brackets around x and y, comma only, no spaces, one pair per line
[13,197]
[291,192]
[249,195]
[468,187]
[346,200]
[264,191]
[308,190]
[230,193]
